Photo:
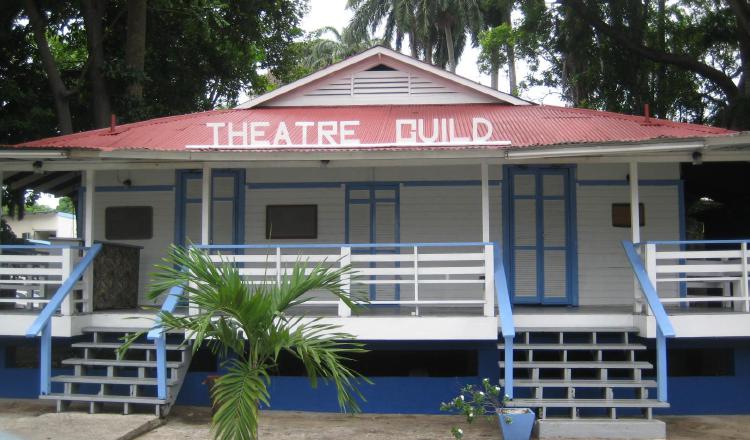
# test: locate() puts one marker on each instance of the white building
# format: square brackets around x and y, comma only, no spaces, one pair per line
[494,238]
[43,225]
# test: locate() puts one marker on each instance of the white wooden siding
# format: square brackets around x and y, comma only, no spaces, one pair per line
[359,86]
[163,206]
[428,213]
[604,275]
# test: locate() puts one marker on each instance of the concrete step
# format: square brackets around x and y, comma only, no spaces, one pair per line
[114,329]
[587,403]
[576,330]
[598,428]
[119,380]
[116,363]
[592,347]
[116,345]
[552,383]
[605,365]
[103,399]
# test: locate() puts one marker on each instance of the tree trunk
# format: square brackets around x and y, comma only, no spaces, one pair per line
[511,51]
[661,72]
[449,48]
[494,76]
[93,13]
[135,47]
[60,93]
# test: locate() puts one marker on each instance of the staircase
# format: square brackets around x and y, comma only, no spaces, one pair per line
[100,377]
[581,373]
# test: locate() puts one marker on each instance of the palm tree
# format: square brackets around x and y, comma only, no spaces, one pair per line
[456,19]
[248,326]
[322,51]
[399,16]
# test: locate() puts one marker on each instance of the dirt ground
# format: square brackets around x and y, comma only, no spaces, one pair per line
[192,423]
[37,420]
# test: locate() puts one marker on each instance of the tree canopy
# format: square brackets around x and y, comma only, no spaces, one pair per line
[67,66]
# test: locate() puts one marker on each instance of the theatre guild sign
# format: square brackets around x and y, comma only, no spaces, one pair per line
[345,134]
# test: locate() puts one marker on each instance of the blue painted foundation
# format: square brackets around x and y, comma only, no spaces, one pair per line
[412,395]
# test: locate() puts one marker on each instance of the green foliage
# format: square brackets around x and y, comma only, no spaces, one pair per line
[474,402]
[65,204]
[249,326]
[199,55]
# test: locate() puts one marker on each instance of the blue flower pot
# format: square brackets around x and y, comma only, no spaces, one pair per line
[516,423]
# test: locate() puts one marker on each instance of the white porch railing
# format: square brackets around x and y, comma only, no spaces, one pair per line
[685,272]
[30,275]
[423,278]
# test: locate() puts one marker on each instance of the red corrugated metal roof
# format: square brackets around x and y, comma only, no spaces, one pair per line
[523,126]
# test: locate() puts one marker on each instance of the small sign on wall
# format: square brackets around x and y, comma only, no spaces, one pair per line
[621,215]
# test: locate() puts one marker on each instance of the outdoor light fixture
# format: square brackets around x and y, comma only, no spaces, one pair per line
[37,165]
[324,163]
[697,158]
[127,183]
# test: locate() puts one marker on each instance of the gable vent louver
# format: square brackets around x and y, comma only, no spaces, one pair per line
[372,83]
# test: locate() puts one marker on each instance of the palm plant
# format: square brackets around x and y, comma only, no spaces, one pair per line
[323,51]
[398,16]
[248,326]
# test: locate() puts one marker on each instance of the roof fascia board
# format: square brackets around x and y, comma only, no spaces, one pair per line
[383,52]
[405,159]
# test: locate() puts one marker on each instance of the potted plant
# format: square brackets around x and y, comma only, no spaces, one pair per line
[486,401]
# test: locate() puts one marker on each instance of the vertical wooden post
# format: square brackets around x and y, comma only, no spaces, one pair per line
[206,205]
[661,365]
[88,233]
[635,227]
[485,203]
[416,279]
[161,366]
[744,277]
[66,308]
[489,285]
[346,282]
[649,255]
[45,359]
[489,280]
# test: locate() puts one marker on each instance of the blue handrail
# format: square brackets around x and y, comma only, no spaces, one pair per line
[157,335]
[42,322]
[664,327]
[505,310]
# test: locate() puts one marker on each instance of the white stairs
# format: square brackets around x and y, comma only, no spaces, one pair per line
[100,377]
[577,373]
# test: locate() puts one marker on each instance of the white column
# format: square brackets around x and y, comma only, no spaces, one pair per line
[635,214]
[88,234]
[485,203]
[635,229]
[489,282]
[88,216]
[206,205]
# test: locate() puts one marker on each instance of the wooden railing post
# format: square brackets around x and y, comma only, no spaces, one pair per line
[744,277]
[346,282]
[66,260]
[45,359]
[416,279]
[649,256]
[489,280]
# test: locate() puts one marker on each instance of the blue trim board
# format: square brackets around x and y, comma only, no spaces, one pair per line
[135,188]
[405,183]
[624,182]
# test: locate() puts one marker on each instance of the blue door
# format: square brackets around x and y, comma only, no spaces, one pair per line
[227,209]
[372,216]
[539,219]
